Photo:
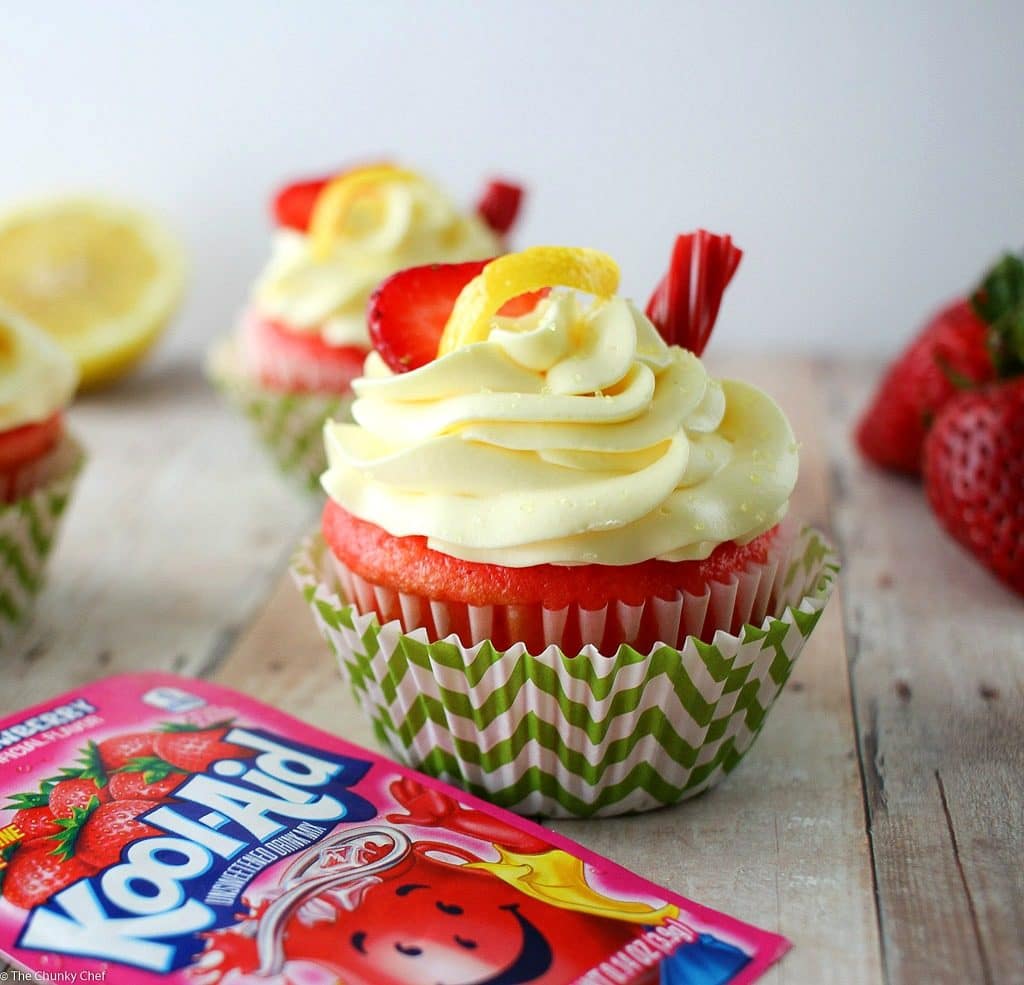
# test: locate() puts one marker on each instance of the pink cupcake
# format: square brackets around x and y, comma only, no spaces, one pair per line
[303,338]
[39,460]
[556,563]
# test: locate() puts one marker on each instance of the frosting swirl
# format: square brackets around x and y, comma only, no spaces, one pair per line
[571,435]
[37,378]
[402,224]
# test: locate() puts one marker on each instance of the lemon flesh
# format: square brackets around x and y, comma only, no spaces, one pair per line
[102,278]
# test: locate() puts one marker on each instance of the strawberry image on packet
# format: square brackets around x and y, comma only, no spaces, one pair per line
[158,828]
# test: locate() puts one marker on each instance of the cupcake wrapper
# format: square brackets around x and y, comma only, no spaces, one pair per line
[28,531]
[747,597]
[28,478]
[290,425]
[576,735]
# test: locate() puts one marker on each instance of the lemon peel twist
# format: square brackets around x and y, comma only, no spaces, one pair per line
[335,202]
[509,276]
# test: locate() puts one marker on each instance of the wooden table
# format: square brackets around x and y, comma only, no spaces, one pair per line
[879,820]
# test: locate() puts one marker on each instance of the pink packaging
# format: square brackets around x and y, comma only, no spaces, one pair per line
[160,828]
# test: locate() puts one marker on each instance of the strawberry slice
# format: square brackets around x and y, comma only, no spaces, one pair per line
[409,310]
[685,303]
[29,442]
[293,204]
[499,205]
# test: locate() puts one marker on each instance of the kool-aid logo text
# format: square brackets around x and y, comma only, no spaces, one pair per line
[222,828]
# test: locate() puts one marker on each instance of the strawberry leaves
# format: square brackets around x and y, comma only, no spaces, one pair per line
[90,767]
[26,801]
[152,768]
[999,302]
[71,827]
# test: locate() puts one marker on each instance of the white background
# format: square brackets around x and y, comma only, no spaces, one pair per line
[869,157]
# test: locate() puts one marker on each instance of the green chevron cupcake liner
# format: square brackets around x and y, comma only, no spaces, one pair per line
[572,735]
[28,530]
[290,425]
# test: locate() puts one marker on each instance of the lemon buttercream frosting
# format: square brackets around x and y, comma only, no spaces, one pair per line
[37,378]
[571,435]
[368,224]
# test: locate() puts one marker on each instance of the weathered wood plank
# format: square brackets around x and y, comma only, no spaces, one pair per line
[937,666]
[781,843]
[176,532]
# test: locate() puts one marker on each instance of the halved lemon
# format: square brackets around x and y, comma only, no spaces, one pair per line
[101,277]
[509,276]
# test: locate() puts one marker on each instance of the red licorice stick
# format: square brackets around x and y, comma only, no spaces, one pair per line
[499,205]
[684,305]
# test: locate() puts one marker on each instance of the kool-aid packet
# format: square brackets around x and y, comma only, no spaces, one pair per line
[159,828]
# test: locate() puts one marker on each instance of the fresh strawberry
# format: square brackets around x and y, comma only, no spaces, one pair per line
[77,786]
[974,475]
[974,451]
[118,751]
[950,352]
[35,873]
[145,778]
[685,303]
[97,834]
[193,749]
[409,310]
[33,816]
[968,343]
[293,204]
[35,822]
[499,205]
[75,792]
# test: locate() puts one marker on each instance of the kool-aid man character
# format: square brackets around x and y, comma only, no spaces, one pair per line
[371,906]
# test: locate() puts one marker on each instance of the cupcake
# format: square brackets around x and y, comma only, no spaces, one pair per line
[303,337]
[39,460]
[555,561]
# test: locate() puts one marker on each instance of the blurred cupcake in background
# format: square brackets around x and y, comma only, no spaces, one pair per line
[39,460]
[556,563]
[303,337]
